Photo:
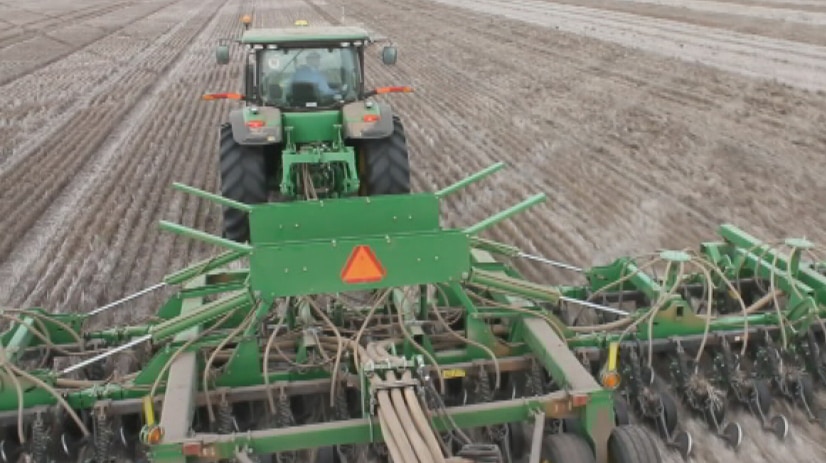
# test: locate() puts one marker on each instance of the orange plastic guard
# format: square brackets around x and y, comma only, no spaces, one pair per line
[404,89]
[222,96]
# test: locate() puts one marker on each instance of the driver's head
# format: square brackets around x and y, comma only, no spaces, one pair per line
[314,60]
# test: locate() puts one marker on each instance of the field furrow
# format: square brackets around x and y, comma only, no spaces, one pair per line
[789,62]
[71,165]
[646,123]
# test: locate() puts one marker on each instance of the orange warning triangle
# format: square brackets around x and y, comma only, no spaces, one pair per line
[362,267]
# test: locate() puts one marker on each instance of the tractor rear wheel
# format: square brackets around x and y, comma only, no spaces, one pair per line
[243,179]
[566,448]
[632,444]
[385,165]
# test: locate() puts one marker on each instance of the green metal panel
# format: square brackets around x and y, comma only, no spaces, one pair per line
[315,267]
[343,218]
[312,126]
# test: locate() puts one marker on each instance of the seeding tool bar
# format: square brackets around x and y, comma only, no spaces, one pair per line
[446,318]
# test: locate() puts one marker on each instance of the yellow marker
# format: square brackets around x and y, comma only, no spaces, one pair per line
[302,22]
[149,410]
[613,348]
[610,378]
[454,373]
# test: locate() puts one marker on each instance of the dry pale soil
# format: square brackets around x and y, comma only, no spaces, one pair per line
[647,123]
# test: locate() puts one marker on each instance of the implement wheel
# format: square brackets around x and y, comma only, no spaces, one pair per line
[385,167]
[632,444]
[566,448]
[243,179]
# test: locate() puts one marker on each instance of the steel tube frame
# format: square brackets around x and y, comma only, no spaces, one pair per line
[360,431]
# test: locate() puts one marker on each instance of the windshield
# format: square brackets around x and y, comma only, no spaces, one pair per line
[308,77]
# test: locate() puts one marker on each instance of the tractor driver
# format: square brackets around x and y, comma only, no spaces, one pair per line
[311,73]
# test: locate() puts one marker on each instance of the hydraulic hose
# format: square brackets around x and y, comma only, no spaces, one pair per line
[390,440]
[421,422]
[416,444]
[401,408]
[388,415]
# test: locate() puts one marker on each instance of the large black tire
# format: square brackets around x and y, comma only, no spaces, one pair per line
[327,455]
[243,179]
[632,444]
[566,448]
[385,168]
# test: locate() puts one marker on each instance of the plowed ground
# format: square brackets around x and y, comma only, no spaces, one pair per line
[647,123]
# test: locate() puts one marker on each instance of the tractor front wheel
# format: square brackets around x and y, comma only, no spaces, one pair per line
[385,165]
[243,179]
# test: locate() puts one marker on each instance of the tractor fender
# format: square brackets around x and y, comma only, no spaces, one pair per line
[268,134]
[355,126]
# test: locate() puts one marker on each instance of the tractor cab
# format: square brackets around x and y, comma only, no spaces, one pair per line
[306,67]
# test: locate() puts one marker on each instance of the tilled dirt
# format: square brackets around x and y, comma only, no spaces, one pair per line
[646,122]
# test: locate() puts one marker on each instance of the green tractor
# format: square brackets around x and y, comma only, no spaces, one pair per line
[309,129]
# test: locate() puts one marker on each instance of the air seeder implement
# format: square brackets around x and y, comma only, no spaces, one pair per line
[343,322]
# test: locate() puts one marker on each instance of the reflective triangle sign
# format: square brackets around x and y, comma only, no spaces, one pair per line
[362,267]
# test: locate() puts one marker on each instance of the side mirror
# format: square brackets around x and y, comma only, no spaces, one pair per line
[222,54]
[388,55]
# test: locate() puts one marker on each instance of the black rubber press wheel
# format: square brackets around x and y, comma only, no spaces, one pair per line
[632,444]
[566,448]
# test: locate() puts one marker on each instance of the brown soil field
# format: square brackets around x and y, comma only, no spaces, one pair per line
[646,122]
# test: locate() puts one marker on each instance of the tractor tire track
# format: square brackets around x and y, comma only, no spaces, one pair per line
[788,62]
[128,249]
[68,151]
[33,29]
[44,101]
[61,166]
[786,22]
[49,59]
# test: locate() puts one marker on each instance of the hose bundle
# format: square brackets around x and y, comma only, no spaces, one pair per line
[404,425]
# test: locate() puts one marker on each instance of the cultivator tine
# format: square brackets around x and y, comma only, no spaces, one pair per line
[786,373]
[702,397]
[652,402]
[750,392]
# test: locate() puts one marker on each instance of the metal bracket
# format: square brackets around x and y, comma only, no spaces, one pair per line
[396,385]
[538,432]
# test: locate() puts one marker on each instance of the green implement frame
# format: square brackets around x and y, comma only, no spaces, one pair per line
[264,333]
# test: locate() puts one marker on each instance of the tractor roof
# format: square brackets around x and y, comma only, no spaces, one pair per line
[304,34]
